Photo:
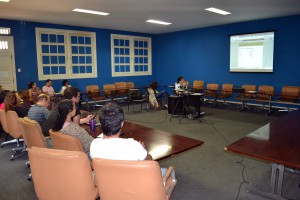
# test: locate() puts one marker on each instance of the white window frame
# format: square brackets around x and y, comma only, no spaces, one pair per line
[132,71]
[68,53]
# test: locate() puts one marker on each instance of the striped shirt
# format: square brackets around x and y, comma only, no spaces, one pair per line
[38,113]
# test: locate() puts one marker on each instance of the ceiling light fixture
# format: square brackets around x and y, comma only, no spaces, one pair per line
[158,22]
[4,0]
[218,11]
[90,11]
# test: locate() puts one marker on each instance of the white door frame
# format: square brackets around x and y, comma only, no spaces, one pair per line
[10,50]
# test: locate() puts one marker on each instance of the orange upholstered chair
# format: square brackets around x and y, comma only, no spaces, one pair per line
[60,174]
[133,180]
[65,142]
[129,85]
[198,85]
[265,92]
[290,94]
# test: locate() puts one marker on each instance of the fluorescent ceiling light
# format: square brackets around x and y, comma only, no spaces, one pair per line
[90,11]
[4,0]
[158,22]
[216,10]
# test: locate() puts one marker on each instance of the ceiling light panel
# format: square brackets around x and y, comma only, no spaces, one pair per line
[4,0]
[90,11]
[158,22]
[218,11]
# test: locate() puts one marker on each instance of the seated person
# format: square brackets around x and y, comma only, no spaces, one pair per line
[72,93]
[39,111]
[154,95]
[48,89]
[111,146]
[13,102]
[67,109]
[2,97]
[65,84]
[179,85]
[33,91]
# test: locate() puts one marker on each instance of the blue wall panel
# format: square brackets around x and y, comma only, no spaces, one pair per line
[203,54]
[26,60]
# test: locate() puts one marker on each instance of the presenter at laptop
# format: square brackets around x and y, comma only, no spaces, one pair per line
[180,83]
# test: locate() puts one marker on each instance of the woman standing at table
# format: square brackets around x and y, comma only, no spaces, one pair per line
[33,91]
[66,110]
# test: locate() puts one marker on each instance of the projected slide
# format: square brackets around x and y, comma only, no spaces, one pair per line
[252,52]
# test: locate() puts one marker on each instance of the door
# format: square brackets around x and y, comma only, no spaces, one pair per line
[7,63]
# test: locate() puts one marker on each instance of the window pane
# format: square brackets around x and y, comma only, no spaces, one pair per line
[88,40]
[60,39]
[89,69]
[74,50]
[136,68]
[116,42]
[54,70]
[53,59]
[141,44]
[141,52]
[81,59]
[61,49]
[62,70]
[82,69]
[45,48]
[75,59]
[126,51]
[46,70]
[145,52]
[80,40]
[117,51]
[75,69]
[136,60]
[141,68]
[146,68]
[127,43]
[141,60]
[53,49]
[136,44]
[88,50]
[61,59]
[127,60]
[81,50]
[122,60]
[136,52]
[122,42]
[74,40]
[122,68]
[46,60]
[117,60]
[88,59]
[127,68]
[145,60]
[145,44]
[122,51]
[44,38]
[117,68]
[52,38]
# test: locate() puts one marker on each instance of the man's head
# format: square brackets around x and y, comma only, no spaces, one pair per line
[180,80]
[111,119]
[72,93]
[43,100]
[48,82]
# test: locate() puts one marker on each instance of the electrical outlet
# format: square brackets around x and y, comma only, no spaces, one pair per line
[19,69]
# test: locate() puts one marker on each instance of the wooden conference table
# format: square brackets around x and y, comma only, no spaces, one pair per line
[278,143]
[159,144]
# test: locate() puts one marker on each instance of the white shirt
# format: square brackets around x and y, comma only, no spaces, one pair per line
[49,90]
[117,149]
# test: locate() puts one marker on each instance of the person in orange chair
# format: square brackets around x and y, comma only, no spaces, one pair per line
[33,91]
[110,145]
[154,95]
[12,102]
[67,109]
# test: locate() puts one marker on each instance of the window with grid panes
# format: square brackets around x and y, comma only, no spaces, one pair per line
[66,54]
[131,55]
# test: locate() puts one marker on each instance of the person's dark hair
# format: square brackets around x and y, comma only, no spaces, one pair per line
[153,85]
[3,95]
[30,84]
[10,101]
[111,117]
[71,92]
[64,82]
[48,80]
[179,79]
[64,107]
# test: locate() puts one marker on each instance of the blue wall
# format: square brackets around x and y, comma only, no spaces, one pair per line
[203,54]
[25,56]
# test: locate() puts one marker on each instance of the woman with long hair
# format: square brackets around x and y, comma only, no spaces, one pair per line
[66,110]
[154,95]
[33,91]
[12,102]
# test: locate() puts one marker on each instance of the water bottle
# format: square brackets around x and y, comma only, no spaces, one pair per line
[92,125]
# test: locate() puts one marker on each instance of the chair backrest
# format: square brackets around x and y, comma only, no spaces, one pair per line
[65,142]
[3,120]
[92,88]
[129,85]
[186,82]
[266,89]
[32,133]
[59,174]
[249,87]
[135,94]
[120,85]
[13,125]
[108,87]
[227,87]
[131,180]
[212,86]
[199,85]
[291,91]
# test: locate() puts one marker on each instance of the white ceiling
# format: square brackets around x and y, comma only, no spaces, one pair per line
[130,15]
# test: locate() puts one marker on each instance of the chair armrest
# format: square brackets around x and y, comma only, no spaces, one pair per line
[169,180]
